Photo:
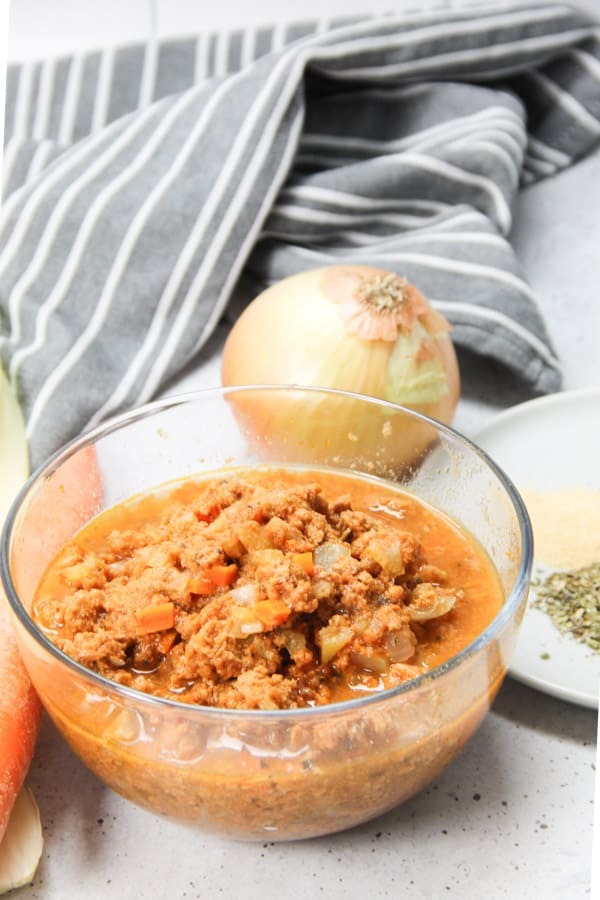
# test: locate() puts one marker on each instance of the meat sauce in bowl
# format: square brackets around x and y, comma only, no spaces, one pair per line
[266,590]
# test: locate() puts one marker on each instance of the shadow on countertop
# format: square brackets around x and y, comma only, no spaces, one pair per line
[525,706]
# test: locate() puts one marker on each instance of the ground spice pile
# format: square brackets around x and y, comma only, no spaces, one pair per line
[572,600]
[566,526]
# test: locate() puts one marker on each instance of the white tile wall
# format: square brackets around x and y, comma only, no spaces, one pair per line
[42,28]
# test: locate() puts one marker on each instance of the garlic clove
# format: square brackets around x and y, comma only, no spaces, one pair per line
[22,844]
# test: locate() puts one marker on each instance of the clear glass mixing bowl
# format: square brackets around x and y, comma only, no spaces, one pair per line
[251,774]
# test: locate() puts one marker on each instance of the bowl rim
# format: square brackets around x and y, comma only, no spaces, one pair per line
[114,423]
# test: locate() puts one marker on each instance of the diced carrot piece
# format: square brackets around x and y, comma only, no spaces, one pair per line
[206,583]
[159,617]
[209,516]
[272,612]
[305,561]
[222,575]
[202,586]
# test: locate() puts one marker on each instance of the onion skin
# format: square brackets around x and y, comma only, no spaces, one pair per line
[306,331]
[293,333]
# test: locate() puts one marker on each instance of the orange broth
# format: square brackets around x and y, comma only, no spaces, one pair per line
[443,544]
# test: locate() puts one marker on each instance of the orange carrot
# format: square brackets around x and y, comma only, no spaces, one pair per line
[222,575]
[63,503]
[305,561]
[207,582]
[202,586]
[209,516]
[19,718]
[271,612]
[159,617]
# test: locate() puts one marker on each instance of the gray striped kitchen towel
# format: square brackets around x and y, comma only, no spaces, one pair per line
[141,183]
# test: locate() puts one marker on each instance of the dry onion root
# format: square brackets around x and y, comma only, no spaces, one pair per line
[354,328]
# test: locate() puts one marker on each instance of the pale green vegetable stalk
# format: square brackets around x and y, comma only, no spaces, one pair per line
[21,845]
[14,458]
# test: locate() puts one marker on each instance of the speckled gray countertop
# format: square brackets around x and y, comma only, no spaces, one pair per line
[512,815]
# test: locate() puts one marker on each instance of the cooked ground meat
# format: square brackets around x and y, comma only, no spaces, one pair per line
[266,591]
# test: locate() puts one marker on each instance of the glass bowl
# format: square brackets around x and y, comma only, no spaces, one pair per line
[284,774]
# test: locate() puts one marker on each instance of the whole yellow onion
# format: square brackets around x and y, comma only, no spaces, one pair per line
[350,327]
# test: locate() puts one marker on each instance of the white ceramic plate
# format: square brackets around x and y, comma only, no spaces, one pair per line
[549,444]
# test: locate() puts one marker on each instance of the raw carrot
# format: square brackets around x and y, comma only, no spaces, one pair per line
[19,718]
[159,617]
[64,501]
[19,705]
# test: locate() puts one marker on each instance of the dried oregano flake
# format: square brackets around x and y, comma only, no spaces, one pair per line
[572,600]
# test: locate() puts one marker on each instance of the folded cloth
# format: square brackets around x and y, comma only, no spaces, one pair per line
[140,183]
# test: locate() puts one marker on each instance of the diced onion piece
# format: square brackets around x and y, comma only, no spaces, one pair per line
[251,628]
[118,567]
[400,645]
[267,557]
[373,663]
[332,639]
[322,589]
[245,594]
[327,554]
[22,844]
[253,536]
[430,602]
[294,642]
[244,622]
[360,626]
[230,544]
[388,553]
